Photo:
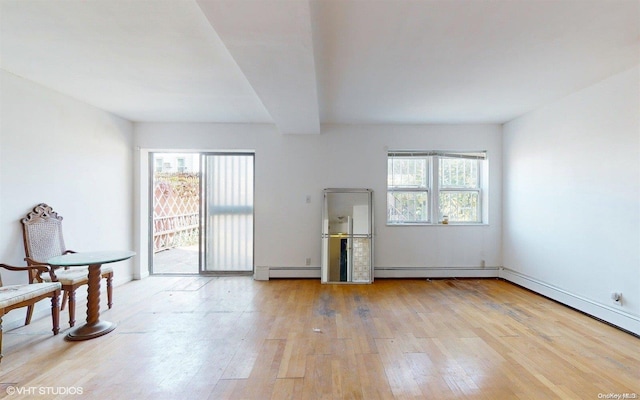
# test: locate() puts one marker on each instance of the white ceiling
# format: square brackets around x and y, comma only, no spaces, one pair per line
[300,63]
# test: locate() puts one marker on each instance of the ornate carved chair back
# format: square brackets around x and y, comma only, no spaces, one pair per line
[42,229]
[42,234]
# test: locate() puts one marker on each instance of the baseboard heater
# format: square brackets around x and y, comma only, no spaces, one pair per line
[435,272]
[608,314]
[393,272]
[294,272]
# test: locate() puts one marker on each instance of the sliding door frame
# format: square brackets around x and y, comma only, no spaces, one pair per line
[203,201]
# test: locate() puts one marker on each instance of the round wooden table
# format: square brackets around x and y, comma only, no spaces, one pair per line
[94,259]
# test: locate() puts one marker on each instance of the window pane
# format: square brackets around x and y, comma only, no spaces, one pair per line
[458,173]
[407,172]
[405,207]
[459,206]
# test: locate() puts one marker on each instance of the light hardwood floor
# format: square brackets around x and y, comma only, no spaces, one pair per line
[236,338]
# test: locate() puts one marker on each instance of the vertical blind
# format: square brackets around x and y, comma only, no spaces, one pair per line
[229,212]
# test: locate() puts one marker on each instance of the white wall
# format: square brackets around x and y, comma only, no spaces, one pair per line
[290,167]
[571,199]
[74,157]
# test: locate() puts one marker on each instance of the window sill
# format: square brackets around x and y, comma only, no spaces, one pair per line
[440,224]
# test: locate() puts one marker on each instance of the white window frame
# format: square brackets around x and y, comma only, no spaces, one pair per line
[181,164]
[433,188]
[406,188]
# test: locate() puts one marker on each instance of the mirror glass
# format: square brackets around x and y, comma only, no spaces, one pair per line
[347,236]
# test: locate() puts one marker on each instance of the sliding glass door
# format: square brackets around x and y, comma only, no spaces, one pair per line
[228,212]
[201,213]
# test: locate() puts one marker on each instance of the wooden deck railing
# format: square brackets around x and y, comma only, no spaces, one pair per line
[176,210]
[175,231]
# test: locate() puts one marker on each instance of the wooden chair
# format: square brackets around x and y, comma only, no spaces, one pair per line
[27,295]
[42,234]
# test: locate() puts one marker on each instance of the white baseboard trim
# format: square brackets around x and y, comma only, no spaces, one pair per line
[393,272]
[294,272]
[435,272]
[610,314]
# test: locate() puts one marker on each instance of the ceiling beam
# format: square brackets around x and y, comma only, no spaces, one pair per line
[272,43]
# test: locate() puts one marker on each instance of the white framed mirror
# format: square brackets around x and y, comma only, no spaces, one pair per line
[347,236]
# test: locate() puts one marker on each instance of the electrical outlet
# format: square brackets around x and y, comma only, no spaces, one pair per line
[308,199]
[617,298]
[483,264]
[308,261]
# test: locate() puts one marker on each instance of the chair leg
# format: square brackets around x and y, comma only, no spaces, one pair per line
[55,313]
[27,320]
[71,296]
[64,300]
[110,290]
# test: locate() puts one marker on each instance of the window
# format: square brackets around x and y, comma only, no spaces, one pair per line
[459,195]
[408,189]
[181,165]
[425,187]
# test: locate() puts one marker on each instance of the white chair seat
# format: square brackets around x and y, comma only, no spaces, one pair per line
[74,275]
[14,294]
